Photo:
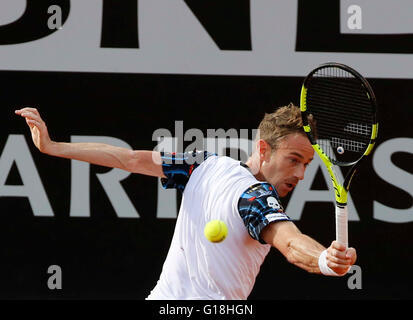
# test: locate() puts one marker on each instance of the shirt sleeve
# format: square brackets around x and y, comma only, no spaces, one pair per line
[259,206]
[178,167]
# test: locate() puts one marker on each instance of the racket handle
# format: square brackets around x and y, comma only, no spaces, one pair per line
[341,225]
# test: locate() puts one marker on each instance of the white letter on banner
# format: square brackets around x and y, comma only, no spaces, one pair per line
[16,150]
[384,167]
[80,190]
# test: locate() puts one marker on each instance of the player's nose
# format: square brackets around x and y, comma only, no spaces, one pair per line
[299,172]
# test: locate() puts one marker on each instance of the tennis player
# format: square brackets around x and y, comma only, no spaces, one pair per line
[245,196]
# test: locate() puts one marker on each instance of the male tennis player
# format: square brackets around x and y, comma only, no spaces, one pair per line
[244,196]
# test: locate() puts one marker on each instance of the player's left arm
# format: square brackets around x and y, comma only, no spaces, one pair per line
[136,161]
[304,252]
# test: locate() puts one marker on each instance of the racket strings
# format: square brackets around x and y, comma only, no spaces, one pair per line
[343,112]
[361,102]
[323,106]
[351,123]
[335,90]
[355,133]
[341,85]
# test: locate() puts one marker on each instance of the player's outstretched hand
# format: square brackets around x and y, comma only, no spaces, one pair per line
[340,259]
[37,127]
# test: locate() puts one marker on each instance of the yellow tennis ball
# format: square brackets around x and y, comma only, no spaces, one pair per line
[215,231]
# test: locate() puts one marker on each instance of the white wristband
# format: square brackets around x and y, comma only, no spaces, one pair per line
[322,264]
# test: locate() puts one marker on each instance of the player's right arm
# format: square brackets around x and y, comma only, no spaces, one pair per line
[266,221]
[304,252]
[136,161]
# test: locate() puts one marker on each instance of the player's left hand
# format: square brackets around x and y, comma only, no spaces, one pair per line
[339,258]
[38,128]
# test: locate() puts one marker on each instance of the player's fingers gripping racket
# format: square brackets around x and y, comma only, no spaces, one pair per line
[343,106]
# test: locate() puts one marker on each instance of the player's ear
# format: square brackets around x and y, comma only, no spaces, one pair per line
[264,150]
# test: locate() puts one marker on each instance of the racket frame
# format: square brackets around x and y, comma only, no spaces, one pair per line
[341,190]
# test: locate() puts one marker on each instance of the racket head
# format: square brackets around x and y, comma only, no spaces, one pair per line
[343,107]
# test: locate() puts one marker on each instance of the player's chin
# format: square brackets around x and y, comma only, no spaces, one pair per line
[284,189]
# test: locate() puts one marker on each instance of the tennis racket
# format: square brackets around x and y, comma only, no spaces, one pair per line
[343,106]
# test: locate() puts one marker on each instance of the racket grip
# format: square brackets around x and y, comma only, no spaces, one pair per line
[341,225]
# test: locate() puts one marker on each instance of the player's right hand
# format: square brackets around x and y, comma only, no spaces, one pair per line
[339,258]
[37,127]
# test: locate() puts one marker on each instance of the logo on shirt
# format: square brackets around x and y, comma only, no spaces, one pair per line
[277,217]
[273,203]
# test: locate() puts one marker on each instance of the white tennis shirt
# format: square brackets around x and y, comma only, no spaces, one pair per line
[196,268]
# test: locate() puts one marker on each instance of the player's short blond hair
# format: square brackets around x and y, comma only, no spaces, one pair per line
[284,121]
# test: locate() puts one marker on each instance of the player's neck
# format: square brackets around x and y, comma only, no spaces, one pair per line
[255,167]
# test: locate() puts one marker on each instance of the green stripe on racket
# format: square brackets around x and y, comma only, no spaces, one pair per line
[344,108]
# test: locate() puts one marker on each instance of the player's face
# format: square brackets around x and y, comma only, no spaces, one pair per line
[285,166]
